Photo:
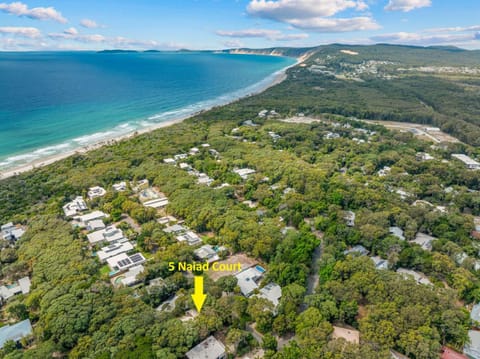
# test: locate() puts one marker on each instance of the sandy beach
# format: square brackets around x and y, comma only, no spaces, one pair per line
[278,78]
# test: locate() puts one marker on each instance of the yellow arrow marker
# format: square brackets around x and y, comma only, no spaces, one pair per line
[198,296]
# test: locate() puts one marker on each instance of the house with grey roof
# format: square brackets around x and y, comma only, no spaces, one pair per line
[75,206]
[424,240]
[271,292]
[15,332]
[379,262]
[397,232]
[210,348]
[206,253]
[10,232]
[358,249]
[472,349]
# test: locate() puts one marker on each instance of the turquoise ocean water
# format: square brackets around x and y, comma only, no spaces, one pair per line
[55,102]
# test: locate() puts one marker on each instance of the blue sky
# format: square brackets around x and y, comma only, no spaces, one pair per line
[218,24]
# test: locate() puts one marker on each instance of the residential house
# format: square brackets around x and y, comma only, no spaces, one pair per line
[424,240]
[349,218]
[190,237]
[469,162]
[193,151]
[120,187]
[10,232]
[206,253]
[131,276]
[248,279]
[420,278]
[123,261]
[157,203]
[113,249]
[180,156]
[95,225]
[15,332]
[109,234]
[141,185]
[350,335]
[272,292]
[472,349]
[384,171]
[74,207]
[210,348]
[379,262]
[397,232]
[169,161]
[95,192]
[244,172]
[359,249]
[22,286]
[166,220]
[82,221]
[423,156]
[175,229]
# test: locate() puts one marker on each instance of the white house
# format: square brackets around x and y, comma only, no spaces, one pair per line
[120,187]
[109,234]
[468,161]
[92,216]
[96,191]
[349,218]
[206,253]
[130,277]
[113,249]
[190,237]
[379,262]
[157,203]
[424,240]
[210,348]
[244,172]
[22,286]
[10,232]
[472,349]
[123,261]
[272,292]
[397,232]
[74,207]
[420,278]
[248,279]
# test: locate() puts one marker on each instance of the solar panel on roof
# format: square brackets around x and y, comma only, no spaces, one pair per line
[136,258]
[124,262]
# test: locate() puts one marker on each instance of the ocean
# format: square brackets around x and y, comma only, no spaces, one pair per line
[55,102]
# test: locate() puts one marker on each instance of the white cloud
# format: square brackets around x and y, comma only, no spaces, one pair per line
[337,24]
[407,5]
[37,13]
[456,29]
[283,10]
[411,38]
[71,31]
[30,32]
[273,35]
[89,24]
[314,15]
[75,36]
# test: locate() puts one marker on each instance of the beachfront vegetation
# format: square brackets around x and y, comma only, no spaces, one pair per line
[303,186]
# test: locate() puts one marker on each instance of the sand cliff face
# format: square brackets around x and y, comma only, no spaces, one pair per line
[300,55]
[270,52]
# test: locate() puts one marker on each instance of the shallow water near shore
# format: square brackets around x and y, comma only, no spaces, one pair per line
[53,103]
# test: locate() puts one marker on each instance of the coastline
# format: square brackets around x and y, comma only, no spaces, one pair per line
[277,77]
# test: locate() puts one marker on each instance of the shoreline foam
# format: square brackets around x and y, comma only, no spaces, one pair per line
[87,143]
